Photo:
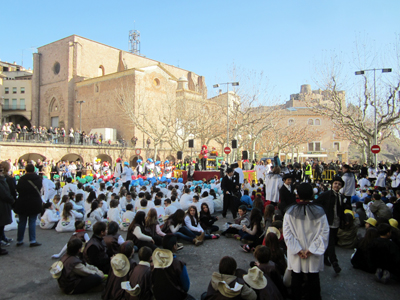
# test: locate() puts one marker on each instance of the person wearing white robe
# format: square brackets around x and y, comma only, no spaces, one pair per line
[272,186]
[49,189]
[118,169]
[381,180]
[306,232]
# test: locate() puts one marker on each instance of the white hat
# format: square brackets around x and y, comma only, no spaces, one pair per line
[274,230]
[120,265]
[162,258]
[56,269]
[255,278]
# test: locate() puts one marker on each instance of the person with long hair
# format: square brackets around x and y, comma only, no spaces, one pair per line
[254,231]
[207,220]
[258,202]
[268,216]
[94,215]
[277,255]
[136,232]
[193,224]
[175,224]
[152,227]
[68,217]
[359,259]
[90,198]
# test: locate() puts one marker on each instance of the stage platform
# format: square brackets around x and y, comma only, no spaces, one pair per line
[200,175]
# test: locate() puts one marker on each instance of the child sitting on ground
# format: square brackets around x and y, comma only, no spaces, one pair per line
[79,233]
[68,218]
[49,217]
[114,213]
[76,277]
[127,217]
[225,284]
[113,240]
[141,275]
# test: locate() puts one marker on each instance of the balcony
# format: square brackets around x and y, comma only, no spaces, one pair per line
[14,107]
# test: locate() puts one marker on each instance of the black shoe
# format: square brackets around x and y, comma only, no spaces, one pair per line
[326,262]
[336,267]
[35,244]
[20,244]
[3,252]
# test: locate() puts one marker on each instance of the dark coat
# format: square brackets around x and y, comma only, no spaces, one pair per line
[287,197]
[29,200]
[327,201]
[396,210]
[6,200]
[228,185]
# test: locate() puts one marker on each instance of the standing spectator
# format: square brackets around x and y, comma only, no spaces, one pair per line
[134,141]
[334,205]
[277,161]
[306,231]
[228,188]
[28,204]
[319,169]
[349,188]
[71,136]
[6,200]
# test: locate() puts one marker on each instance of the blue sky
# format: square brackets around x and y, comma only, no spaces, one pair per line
[287,40]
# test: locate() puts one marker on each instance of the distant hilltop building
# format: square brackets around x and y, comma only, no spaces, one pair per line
[326,146]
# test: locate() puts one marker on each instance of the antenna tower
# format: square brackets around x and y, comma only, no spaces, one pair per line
[134,41]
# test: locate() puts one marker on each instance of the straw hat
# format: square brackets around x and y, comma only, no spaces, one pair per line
[274,230]
[255,278]
[120,265]
[394,223]
[56,269]
[371,221]
[162,258]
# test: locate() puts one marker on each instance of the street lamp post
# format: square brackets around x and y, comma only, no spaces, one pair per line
[227,107]
[362,72]
[80,115]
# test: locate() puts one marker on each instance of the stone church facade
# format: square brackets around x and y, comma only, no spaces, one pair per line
[78,69]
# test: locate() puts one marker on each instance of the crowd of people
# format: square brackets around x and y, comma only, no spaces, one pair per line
[57,135]
[288,220]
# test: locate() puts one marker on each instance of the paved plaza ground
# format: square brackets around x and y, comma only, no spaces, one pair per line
[25,271]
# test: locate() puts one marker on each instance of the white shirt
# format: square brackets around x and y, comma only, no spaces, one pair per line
[69,187]
[114,215]
[68,224]
[126,175]
[48,219]
[185,201]
[171,209]
[127,219]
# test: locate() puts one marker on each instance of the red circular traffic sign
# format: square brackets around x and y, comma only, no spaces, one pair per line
[227,150]
[375,149]
[137,151]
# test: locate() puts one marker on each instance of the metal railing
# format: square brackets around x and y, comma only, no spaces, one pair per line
[30,137]
[14,107]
